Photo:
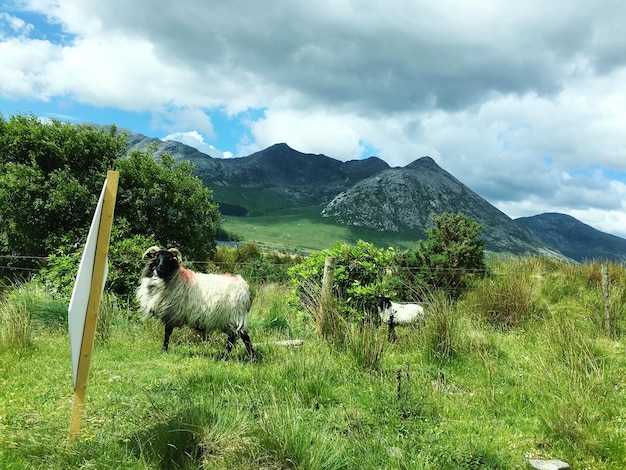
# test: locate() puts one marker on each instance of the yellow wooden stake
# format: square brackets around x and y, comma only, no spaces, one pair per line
[95,292]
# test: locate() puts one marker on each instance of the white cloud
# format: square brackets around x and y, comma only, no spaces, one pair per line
[196,140]
[16,26]
[309,132]
[507,97]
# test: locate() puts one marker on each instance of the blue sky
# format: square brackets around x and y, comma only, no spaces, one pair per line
[532,122]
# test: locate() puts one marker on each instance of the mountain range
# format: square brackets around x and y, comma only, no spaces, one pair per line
[370,194]
[575,239]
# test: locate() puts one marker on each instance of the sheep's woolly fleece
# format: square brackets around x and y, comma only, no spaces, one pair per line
[202,301]
[402,313]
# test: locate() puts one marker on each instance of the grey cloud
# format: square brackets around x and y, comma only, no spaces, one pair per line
[366,62]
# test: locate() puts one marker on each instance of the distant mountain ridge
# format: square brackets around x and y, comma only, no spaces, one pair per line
[575,239]
[366,193]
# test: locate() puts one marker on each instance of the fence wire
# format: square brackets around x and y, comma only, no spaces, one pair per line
[43,260]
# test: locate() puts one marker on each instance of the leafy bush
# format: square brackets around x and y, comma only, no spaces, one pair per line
[52,176]
[453,254]
[362,272]
[162,199]
[125,266]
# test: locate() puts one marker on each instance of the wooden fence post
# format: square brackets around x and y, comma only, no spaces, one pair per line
[327,281]
[607,300]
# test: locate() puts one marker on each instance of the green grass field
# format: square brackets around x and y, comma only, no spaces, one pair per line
[458,392]
[307,230]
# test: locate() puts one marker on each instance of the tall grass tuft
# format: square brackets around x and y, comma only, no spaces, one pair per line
[40,304]
[331,326]
[366,345]
[506,299]
[287,442]
[15,325]
[573,407]
[439,332]
[109,311]
[270,311]
[174,443]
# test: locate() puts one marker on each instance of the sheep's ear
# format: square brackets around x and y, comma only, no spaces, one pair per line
[176,253]
[150,252]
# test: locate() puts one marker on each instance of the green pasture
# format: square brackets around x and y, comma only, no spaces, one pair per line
[521,367]
[307,230]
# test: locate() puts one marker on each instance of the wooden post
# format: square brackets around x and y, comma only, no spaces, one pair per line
[327,281]
[95,293]
[607,300]
[391,329]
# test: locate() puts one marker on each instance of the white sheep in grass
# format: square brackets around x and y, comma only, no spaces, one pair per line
[399,314]
[207,302]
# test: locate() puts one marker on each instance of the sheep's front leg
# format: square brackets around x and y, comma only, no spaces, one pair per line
[166,338]
[245,337]
[202,333]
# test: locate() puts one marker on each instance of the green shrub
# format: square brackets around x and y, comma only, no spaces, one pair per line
[453,253]
[125,265]
[362,272]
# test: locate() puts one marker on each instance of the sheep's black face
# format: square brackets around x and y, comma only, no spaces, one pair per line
[165,264]
[384,303]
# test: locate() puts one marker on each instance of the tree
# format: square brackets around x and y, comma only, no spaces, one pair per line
[52,174]
[452,253]
[164,199]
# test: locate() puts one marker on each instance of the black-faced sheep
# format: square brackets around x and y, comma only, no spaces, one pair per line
[206,302]
[399,314]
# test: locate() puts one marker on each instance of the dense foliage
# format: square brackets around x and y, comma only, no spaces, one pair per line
[163,198]
[362,273]
[52,176]
[453,252]
[445,262]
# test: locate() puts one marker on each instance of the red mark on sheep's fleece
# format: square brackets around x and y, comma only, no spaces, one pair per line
[187,274]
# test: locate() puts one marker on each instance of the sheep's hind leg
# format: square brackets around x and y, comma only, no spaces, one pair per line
[166,338]
[245,337]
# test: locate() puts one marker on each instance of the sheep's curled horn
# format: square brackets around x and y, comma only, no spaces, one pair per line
[150,252]
[176,253]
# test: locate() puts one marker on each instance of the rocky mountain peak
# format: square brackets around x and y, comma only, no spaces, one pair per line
[424,163]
